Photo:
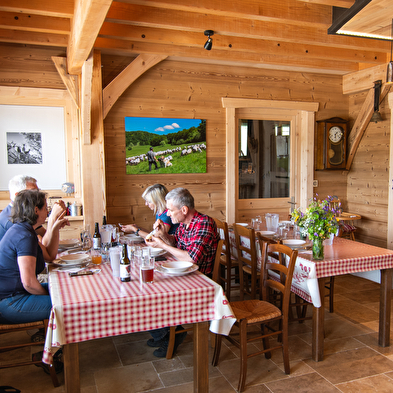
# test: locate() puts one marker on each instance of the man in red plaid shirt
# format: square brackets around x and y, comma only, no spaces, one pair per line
[196,238]
[195,241]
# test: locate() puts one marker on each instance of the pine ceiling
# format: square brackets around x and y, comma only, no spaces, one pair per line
[280,34]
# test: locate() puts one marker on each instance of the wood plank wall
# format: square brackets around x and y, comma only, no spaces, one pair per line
[178,89]
[368,179]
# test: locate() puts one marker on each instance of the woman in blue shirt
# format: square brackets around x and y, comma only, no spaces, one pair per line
[22,297]
[154,197]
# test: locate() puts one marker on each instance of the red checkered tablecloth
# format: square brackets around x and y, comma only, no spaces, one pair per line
[99,305]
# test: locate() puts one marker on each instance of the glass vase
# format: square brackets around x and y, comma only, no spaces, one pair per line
[317,249]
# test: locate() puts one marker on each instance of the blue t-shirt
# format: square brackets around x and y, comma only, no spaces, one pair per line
[5,222]
[19,240]
[167,220]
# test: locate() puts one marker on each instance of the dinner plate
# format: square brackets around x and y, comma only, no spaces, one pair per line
[72,259]
[293,243]
[267,233]
[155,252]
[243,224]
[69,243]
[134,238]
[162,270]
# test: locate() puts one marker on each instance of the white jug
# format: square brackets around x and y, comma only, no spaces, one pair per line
[272,221]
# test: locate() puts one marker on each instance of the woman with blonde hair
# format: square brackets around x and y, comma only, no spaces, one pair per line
[154,197]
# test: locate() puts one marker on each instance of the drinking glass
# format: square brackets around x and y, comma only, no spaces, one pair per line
[96,256]
[147,269]
[115,255]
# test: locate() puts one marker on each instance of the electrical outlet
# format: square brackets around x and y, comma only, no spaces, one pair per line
[315,183]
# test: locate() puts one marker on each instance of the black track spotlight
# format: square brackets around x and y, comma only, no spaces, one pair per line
[209,43]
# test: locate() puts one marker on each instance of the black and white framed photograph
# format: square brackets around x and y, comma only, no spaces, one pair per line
[33,143]
[24,148]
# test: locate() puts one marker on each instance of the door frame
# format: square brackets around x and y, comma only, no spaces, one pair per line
[302,115]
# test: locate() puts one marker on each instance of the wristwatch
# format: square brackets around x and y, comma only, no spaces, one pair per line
[137,231]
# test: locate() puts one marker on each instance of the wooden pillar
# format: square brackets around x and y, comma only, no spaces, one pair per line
[92,155]
[390,190]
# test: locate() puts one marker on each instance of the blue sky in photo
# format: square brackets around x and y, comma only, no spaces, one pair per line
[158,125]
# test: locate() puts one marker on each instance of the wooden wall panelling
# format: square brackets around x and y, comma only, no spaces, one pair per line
[390,182]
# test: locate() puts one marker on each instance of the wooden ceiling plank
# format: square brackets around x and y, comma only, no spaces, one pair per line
[34,23]
[33,38]
[331,3]
[133,71]
[362,121]
[58,8]
[88,18]
[355,82]
[70,81]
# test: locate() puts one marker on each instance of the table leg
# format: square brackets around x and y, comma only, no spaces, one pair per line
[318,331]
[384,308]
[71,368]
[201,357]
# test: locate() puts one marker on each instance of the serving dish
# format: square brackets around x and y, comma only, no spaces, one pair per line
[177,266]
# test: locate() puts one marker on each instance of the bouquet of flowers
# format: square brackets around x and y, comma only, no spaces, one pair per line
[319,220]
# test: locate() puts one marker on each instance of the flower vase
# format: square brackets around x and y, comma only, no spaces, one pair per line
[317,249]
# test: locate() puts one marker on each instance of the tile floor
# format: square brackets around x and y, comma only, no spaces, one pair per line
[353,360]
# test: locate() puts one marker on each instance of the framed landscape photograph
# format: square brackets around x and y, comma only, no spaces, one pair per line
[165,145]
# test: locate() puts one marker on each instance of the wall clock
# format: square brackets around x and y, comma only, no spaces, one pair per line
[331,144]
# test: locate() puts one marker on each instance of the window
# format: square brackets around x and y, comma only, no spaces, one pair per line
[264,164]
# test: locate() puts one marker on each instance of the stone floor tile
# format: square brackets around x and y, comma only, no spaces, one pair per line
[380,384]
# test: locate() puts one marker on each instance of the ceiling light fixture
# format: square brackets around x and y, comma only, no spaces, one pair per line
[376,117]
[389,74]
[209,43]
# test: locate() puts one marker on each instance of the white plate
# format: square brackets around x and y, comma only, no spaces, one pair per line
[286,222]
[155,252]
[267,233]
[134,238]
[177,266]
[243,224]
[72,259]
[69,243]
[192,269]
[294,242]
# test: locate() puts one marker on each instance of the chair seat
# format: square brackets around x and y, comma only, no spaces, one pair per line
[247,269]
[23,326]
[347,227]
[255,310]
[234,262]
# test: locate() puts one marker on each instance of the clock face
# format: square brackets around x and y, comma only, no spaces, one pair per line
[335,134]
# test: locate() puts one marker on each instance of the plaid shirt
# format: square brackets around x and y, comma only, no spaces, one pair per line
[200,240]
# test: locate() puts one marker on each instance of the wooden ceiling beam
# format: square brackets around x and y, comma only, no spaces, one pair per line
[87,21]
[230,44]
[57,8]
[70,81]
[254,58]
[33,38]
[43,24]
[331,3]
[356,82]
[277,30]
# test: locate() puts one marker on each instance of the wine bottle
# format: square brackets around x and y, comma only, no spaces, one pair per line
[104,220]
[96,238]
[125,265]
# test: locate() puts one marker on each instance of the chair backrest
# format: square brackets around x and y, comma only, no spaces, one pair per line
[246,247]
[223,232]
[335,206]
[216,269]
[284,268]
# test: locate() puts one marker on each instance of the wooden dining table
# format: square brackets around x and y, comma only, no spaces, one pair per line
[345,256]
[100,305]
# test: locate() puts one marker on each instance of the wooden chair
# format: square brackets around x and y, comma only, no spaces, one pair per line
[4,328]
[216,274]
[262,312]
[227,262]
[247,257]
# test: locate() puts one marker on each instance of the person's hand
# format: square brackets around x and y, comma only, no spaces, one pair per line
[155,242]
[131,228]
[61,221]
[58,209]
[159,228]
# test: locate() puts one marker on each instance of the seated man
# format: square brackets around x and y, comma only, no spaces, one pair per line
[195,241]
[47,238]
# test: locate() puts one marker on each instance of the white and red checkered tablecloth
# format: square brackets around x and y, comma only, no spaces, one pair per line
[342,257]
[99,305]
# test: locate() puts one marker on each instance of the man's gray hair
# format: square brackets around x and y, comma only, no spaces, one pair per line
[180,197]
[19,183]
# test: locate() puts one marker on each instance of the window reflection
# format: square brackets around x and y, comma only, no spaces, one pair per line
[264,159]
